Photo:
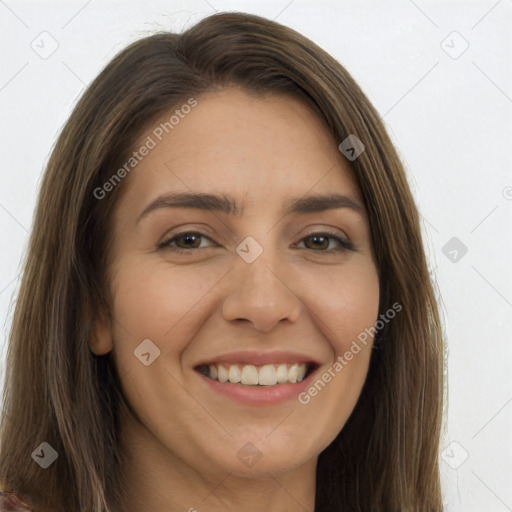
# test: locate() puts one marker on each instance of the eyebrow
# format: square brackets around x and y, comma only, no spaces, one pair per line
[225,204]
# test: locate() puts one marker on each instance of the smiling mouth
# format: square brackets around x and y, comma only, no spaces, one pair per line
[251,375]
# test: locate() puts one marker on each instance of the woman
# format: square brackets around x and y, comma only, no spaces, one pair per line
[291,360]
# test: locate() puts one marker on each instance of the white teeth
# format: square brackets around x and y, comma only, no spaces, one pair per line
[234,374]
[267,375]
[282,374]
[250,375]
[222,374]
[292,373]
[301,372]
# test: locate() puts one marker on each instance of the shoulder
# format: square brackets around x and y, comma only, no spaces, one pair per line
[10,503]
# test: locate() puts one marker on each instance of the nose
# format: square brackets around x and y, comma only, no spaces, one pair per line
[261,295]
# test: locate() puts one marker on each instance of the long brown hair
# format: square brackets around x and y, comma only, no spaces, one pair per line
[57,391]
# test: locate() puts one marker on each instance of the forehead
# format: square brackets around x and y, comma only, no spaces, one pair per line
[247,145]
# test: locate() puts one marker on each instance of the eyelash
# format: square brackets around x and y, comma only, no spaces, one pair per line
[346,245]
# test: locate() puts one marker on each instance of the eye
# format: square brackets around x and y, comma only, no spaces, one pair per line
[321,242]
[189,239]
[192,240]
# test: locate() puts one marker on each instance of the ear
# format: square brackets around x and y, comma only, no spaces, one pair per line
[101,335]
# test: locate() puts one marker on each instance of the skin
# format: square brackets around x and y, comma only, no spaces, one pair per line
[181,439]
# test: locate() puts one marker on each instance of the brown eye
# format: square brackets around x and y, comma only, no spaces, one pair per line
[319,242]
[190,241]
[184,241]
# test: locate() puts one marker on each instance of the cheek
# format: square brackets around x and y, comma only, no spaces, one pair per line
[345,302]
[160,304]
[354,311]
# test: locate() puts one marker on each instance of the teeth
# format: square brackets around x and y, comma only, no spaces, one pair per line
[282,374]
[222,374]
[293,372]
[301,372]
[234,374]
[267,375]
[250,375]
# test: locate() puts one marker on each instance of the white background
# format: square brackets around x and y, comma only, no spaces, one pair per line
[450,118]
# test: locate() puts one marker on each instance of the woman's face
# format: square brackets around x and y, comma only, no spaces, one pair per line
[257,284]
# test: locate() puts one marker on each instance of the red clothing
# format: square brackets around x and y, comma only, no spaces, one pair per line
[10,503]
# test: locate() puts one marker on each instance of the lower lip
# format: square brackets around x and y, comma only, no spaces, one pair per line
[259,395]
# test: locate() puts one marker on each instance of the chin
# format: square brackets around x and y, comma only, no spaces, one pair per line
[255,456]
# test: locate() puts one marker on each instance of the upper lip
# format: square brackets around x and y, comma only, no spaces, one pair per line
[260,358]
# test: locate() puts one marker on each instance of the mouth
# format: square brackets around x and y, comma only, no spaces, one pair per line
[266,375]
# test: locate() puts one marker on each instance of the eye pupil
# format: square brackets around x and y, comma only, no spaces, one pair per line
[319,237]
[188,238]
